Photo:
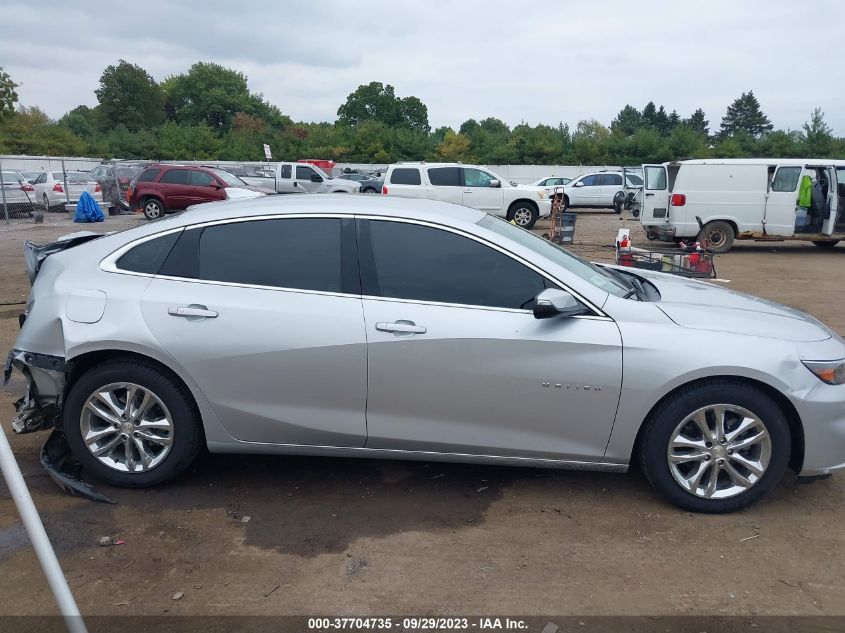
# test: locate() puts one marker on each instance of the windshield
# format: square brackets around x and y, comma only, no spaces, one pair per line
[72,176]
[581,267]
[229,179]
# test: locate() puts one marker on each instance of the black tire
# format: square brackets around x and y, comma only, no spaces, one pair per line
[153,209]
[187,428]
[369,190]
[46,203]
[719,234]
[658,429]
[825,243]
[524,213]
[565,203]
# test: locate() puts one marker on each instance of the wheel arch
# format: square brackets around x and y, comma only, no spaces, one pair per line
[519,201]
[793,419]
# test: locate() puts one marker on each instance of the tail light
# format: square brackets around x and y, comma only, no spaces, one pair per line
[27,187]
[384,189]
[129,194]
[679,199]
[97,188]
[58,188]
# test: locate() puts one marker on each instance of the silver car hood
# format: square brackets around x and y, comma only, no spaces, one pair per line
[704,306]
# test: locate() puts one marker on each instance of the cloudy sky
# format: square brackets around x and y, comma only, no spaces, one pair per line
[539,62]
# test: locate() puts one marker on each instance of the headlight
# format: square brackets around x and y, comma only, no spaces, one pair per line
[832,371]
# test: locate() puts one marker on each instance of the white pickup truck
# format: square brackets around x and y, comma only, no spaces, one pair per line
[302,178]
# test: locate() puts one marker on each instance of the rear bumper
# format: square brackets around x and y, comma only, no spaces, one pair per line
[40,407]
[665,232]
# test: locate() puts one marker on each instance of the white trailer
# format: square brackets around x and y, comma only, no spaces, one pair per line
[739,199]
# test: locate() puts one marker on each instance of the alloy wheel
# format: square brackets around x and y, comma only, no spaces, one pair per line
[719,451]
[152,210]
[126,427]
[522,216]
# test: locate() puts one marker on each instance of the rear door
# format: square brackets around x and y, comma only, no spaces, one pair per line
[479,194]
[609,184]
[266,317]
[446,184]
[655,208]
[175,187]
[782,201]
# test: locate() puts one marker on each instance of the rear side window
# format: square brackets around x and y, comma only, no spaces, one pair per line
[610,179]
[175,177]
[405,176]
[786,179]
[149,256]
[301,253]
[148,175]
[286,171]
[422,263]
[445,176]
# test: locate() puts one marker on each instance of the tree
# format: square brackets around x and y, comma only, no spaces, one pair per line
[745,115]
[818,133]
[697,123]
[628,121]
[8,94]
[453,148]
[212,94]
[82,121]
[378,102]
[129,96]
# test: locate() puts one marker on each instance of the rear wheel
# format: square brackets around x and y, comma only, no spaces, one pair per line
[131,424]
[153,209]
[46,203]
[523,214]
[719,235]
[717,446]
[825,243]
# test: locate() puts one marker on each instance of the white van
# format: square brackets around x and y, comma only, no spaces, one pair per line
[748,198]
[471,186]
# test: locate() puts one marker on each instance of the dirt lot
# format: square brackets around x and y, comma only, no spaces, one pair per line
[281,535]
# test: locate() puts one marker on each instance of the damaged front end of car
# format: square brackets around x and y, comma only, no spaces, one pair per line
[40,409]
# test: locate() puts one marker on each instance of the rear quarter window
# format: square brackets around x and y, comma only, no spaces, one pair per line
[405,176]
[148,175]
[148,256]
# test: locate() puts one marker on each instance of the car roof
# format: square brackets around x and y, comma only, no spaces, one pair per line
[405,208]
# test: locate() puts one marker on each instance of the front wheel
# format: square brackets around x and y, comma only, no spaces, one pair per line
[719,235]
[717,446]
[825,243]
[524,214]
[131,424]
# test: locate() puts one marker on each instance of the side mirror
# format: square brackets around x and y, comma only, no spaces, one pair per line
[316,178]
[494,183]
[580,183]
[553,302]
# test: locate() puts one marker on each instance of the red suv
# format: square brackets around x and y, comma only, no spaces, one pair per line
[160,189]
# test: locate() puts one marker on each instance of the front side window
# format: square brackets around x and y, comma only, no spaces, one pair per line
[201,179]
[445,176]
[175,177]
[655,178]
[300,253]
[786,179]
[590,181]
[428,264]
[476,178]
[405,176]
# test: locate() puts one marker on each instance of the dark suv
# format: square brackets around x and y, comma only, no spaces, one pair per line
[160,189]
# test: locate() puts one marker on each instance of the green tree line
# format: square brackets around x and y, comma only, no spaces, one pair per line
[209,113]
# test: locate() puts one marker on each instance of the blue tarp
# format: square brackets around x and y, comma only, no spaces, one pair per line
[87,209]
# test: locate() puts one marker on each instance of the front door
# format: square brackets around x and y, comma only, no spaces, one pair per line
[266,318]
[479,194]
[305,179]
[457,363]
[781,215]
[205,188]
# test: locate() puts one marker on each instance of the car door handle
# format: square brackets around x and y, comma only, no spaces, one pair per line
[400,327]
[649,195]
[192,311]
[467,190]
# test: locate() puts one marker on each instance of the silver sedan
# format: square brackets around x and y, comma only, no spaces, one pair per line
[412,329]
